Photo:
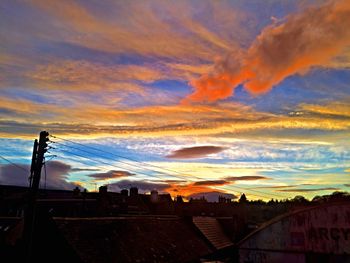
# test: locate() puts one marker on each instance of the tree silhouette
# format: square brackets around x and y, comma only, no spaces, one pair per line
[243,198]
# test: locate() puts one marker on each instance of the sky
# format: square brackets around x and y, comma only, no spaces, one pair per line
[193,98]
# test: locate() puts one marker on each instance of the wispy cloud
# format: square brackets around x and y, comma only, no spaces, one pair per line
[157,121]
[246,178]
[113,174]
[114,69]
[195,152]
[301,190]
[174,34]
[211,182]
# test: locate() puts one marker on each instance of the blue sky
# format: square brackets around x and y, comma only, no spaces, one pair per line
[186,97]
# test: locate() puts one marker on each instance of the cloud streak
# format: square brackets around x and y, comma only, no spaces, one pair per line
[246,178]
[195,152]
[211,182]
[306,190]
[25,118]
[113,174]
[301,41]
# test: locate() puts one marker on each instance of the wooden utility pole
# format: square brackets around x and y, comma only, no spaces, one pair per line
[32,167]
[39,150]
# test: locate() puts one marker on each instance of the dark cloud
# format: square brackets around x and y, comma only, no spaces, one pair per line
[12,175]
[246,178]
[195,152]
[174,181]
[309,189]
[211,182]
[110,175]
[141,185]
[56,175]
[212,196]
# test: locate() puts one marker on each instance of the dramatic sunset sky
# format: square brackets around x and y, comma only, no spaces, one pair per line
[186,97]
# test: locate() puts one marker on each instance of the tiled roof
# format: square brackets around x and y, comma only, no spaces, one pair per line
[211,229]
[133,239]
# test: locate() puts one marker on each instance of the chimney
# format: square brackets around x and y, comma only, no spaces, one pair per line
[154,196]
[124,192]
[76,191]
[134,191]
[103,189]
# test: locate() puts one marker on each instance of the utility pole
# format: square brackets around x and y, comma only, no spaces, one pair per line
[32,167]
[39,150]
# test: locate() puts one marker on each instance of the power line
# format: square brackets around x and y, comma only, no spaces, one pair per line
[182,177]
[128,170]
[99,161]
[241,188]
[10,162]
[133,165]
[266,195]
[123,157]
[96,149]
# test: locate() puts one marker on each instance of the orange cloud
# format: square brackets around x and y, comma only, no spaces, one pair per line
[311,38]
[199,189]
[331,109]
[187,189]
[24,118]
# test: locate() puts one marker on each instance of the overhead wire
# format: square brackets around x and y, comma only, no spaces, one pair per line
[266,195]
[120,156]
[119,161]
[12,163]
[183,177]
[105,163]
[45,173]
[128,170]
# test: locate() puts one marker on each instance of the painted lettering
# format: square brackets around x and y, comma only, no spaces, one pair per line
[334,233]
[323,232]
[312,233]
[346,233]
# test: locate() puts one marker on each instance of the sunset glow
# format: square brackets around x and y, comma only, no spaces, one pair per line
[184,97]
